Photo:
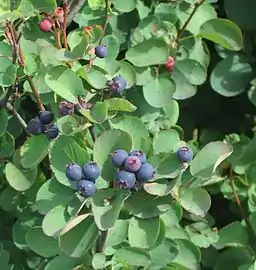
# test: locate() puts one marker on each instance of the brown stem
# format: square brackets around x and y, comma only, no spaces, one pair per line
[64,25]
[106,19]
[75,9]
[183,28]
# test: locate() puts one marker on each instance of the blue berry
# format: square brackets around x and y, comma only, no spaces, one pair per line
[86,188]
[184,154]
[125,179]
[74,172]
[118,158]
[132,163]
[118,84]
[66,108]
[139,154]
[46,117]
[101,51]
[51,131]
[35,126]
[91,171]
[145,173]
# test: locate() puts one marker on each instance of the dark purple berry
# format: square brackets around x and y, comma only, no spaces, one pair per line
[91,171]
[145,173]
[35,126]
[51,131]
[74,172]
[46,117]
[118,84]
[101,51]
[125,179]
[118,158]
[184,154]
[85,188]
[132,163]
[82,105]
[140,154]
[66,108]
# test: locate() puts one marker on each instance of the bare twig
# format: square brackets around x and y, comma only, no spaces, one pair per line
[12,110]
[106,19]
[64,25]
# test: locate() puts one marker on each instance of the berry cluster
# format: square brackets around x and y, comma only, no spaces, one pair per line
[117,84]
[132,168]
[43,124]
[50,19]
[84,176]
[184,154]
[66,107]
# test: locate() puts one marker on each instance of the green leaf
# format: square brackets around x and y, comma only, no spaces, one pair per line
[42,244]
[223,32]
[159,92]
[148,53]
[161,188]
[34,150]
[209,158]
[98,261]
[79,237]
[132,256]
[112,44]
[195,200]
[55,220]
[58,262]
[126,6]
[7,145]
[165,141]
[231,76]
[144,205]
[31,5]
[128,72]
[120,104]
[106,206]
[118,233]
[65,83]
[99,111]
[143,233]
[3,121]
[64,151]
[171,110]
[17,179]
[52,194]
[166,12]
[94,76]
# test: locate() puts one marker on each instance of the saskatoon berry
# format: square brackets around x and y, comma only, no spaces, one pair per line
[184,154]
[101,51]
[125,179]
[170,63]
[35,126]
[91,171]
[66,108]
[51,131]
[46,117]
[118,158]
[145,173]
[132,163]
[139,154]
[46,24]
[85,188]
[118,84]
[74,172]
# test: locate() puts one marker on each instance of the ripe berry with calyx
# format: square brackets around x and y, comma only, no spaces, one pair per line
[140,154]
[51,131]
[132,163]
[118,84]
[145,173]
[46,117]
[74,172]
[170,63]
[66,108]
[125,179]
[86,188]
[101,51]
[35,126]
[119,157]
[91,171]
[184,154]
[46,24]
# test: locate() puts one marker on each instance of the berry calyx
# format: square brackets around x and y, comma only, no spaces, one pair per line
[101,51]
[140,154]
[51,131]
[46,117]
[74,172]
[85,188]
[145,173]
[91,171]
[118,84]
[66,108]
[59,13]
[184,154]
[170,63]
[125,179]
[132,163]
[35,126]
[119,157]
[46,24]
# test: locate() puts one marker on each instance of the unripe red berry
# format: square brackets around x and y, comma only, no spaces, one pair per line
[170,63]
[59,13]
[46,24]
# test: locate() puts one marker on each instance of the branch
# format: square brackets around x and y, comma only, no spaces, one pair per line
[6,95]
[183,28]
[74,11]
[12,110]
[106,20]
[64,25]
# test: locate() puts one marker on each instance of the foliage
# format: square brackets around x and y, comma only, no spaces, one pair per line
[166,77]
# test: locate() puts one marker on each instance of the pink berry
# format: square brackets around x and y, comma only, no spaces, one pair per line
[46,25]
[170,63]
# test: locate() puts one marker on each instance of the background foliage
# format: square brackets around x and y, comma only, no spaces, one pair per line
[200,216]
